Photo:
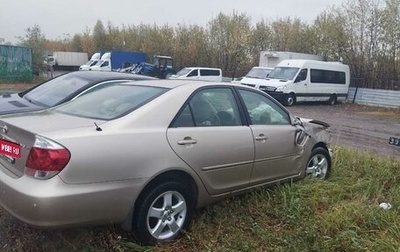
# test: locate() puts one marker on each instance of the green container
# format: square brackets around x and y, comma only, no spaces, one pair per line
[15,63]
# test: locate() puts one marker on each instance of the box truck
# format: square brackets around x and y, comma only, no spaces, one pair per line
[115,60]
[273,58]
[67,61]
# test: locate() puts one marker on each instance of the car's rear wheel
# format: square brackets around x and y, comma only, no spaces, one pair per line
[163,212]
[319,164]
[332,100]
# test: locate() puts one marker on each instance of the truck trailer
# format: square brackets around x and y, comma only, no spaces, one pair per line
[67,61]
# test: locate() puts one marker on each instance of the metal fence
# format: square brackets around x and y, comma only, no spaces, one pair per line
[15,63]
[374,97]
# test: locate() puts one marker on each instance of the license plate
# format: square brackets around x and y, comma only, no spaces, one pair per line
[10,149]
[394,141]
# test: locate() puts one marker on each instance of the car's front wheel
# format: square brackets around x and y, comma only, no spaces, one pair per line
[319,164]
[290,99]
[163,212]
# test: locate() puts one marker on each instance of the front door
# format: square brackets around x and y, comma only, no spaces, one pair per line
[208,134]
[276,153]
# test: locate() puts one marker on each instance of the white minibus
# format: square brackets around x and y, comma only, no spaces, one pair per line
[199,73]
[293,81]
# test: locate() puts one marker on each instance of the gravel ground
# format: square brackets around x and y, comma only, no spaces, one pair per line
[361,127]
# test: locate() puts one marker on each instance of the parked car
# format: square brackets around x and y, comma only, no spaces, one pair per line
[146,153]
[199,73]
[59,90]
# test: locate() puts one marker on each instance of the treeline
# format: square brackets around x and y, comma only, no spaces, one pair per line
[362,33]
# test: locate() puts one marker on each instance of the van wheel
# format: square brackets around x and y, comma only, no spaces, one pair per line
[332,100]
[163,212]
[290,100]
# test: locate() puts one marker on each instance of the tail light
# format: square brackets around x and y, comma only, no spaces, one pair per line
[46,159]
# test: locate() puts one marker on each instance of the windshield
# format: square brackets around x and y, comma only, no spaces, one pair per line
[89,63]
[183,72]
[259,73]
[284,73]
[106,102]
[54,91]
[99,63]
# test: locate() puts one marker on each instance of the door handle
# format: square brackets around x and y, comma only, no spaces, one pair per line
[187,141]
[261,137]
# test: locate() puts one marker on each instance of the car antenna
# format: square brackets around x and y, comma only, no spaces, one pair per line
[97,127]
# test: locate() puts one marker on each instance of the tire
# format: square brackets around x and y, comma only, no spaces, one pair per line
[319,164]
[290,99]
[167,76]
[163,212]
[332,100]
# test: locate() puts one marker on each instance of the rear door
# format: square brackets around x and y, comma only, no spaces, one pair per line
[276,153]
[208,134]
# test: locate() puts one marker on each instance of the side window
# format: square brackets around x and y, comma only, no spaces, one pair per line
[302,75]
[209,72]
[262,110]
[184,119]
[193,73]
[210,107]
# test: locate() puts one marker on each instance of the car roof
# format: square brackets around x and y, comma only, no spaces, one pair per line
[207,68]
[174,83]
[105,75]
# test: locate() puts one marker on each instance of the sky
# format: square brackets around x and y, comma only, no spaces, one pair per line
[60,19]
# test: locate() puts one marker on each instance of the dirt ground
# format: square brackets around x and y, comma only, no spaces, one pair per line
[362,127]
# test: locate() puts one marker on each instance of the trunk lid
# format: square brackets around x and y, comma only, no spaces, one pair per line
[15,145]
[18,134]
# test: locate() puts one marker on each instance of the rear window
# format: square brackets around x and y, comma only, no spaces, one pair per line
[56,90]
[108,102]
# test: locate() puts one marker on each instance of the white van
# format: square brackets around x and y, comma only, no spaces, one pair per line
[292,81]
[199,73]
[93,61]
[257,77]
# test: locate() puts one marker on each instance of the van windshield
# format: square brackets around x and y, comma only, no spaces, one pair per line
[284,73]
[259,73]
[183,72]
[99,63]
